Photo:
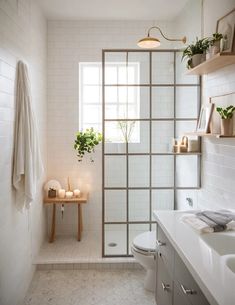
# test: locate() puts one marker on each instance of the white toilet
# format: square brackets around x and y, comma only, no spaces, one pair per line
[143,248]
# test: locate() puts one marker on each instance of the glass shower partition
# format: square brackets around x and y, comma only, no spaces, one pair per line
[147,101]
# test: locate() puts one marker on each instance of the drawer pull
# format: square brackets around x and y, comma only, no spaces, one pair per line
[160,243]
[187,291]
[165,287]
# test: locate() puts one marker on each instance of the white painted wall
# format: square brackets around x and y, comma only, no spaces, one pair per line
[218,167]
[22,37]
[189,21]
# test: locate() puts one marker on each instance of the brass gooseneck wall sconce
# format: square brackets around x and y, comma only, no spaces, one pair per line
[152,42]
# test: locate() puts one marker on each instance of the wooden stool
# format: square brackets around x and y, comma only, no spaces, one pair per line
[66,201]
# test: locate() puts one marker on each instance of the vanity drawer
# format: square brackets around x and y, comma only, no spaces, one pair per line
[179,297]
[187,284]
[165,251]
[164,288]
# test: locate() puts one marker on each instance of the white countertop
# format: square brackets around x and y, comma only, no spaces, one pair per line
[207,267]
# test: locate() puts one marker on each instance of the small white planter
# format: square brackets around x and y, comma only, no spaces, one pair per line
[213,50]
[197,59]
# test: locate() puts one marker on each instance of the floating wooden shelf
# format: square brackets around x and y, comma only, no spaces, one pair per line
[200,134]
[154,154]
[217,62]
[184,153]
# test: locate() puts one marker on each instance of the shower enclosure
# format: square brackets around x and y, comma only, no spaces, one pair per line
[147,102]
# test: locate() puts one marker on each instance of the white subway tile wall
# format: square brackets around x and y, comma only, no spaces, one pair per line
[218,164]
[162,102]
[218,161]
[71,42]
[139,205]
[162,135]
[23,32]
[162,169]
[115,205]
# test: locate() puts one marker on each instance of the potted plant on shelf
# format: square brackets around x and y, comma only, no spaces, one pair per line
[86,141]
[196,53]
[214,45]
[226,115]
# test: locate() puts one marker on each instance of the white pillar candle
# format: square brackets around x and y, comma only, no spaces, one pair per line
[77,193]
[61,193]
[69,194]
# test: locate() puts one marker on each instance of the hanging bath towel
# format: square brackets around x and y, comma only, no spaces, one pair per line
[27,163]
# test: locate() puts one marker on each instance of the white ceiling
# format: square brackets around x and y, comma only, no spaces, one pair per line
[112,9]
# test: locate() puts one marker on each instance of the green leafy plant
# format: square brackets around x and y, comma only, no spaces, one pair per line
[199,47]
[215,37]
[226,113]
[86,141]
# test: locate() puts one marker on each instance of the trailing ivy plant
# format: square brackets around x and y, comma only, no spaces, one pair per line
[86,141]
[226,113]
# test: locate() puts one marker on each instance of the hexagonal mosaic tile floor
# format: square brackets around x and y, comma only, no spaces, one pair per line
[88,287]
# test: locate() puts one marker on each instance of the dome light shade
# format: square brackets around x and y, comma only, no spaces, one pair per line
[149,43]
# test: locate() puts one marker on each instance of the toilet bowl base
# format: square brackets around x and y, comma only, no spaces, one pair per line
[150,280]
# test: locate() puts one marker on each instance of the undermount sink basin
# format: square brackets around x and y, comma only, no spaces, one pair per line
[230,262]
[223,242]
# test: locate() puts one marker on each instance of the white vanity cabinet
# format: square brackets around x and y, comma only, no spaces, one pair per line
[175,284]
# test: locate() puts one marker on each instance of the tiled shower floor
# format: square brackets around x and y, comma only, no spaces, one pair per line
[66,249]
[88,287]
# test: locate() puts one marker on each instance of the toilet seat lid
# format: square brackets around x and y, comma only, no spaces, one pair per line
[145,241]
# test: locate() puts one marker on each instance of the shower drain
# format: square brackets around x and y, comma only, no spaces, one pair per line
[112,245]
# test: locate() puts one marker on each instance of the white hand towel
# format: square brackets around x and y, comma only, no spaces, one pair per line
[27,163]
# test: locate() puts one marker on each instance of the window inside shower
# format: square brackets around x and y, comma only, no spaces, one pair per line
[122,101]
[147,102]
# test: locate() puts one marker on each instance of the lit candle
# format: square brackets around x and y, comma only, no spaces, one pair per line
[69,194]
[77,193]
[61,193]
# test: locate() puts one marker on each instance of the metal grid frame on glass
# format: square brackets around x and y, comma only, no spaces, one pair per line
[151,154]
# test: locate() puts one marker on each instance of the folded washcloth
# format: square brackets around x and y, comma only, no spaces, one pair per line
[203,227]
[196,223]
[216,220]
